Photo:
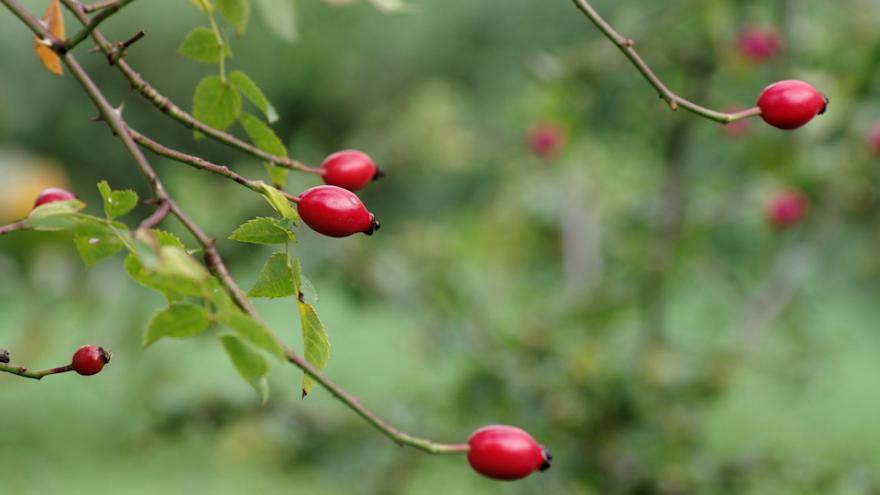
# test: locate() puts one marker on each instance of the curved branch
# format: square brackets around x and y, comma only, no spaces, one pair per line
[24,372]
[674,101]
[104,14]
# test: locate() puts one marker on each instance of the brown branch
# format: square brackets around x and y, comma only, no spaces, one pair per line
[674,101]
[201,163]
[24,372]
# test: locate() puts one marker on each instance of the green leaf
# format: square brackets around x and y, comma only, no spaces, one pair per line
[56,215]
[201,44]
[254,94]
[172,287]
[279,202]
[278,175]
[178,321]
[117,203]
[174,261]
[263,230]
[96,242]
[262,135]
[315,341]
[216,102]
[168,239]
[276,278]
[253,331]
[279,17]
[249,363]
[237,12]
[307,292]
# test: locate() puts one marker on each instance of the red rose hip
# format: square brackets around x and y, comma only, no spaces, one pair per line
[790,104]
[335,212]
[506,453]
[349,169]
[759,43]
[787,209]
[90,360]
[53,194]
[545,140]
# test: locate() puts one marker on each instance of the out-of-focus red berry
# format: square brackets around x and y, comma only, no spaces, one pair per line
[545,140]
[787,209]
[759,43]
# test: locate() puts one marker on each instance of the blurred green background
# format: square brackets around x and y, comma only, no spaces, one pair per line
[623,299]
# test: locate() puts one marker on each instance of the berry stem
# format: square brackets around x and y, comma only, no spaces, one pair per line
[175,112]
[627,46]
[212,257]
[24,372]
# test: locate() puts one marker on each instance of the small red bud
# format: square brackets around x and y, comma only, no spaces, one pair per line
[53,194]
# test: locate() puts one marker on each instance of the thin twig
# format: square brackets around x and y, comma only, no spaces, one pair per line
[156,218]
[170,108]
[201,163]
[37,374]
[215,262]
[92,7]
[674,101]
[93,24]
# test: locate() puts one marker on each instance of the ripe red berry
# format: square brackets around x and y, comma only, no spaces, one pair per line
[349,169]
[874,138]
[545,140]
[53,194]
[506,453]
[759,43]
[790,104]
[787,209]
[335,212]
[90,360]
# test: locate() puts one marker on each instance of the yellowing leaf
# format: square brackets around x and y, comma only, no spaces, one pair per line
[55,22]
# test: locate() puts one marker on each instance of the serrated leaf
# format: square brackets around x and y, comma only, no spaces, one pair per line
[178,321]
[279,17]
[237,12]
[315,342]
[263,230]
[276,278]
[249,363]
[252,330]
[54,22]
[254,94]
[262,135]
[279,202]
[166,238]
[117,203]
[96,242]
[216,103]
[201,44]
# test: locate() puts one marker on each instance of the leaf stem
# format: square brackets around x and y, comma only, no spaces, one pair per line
[627,46]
